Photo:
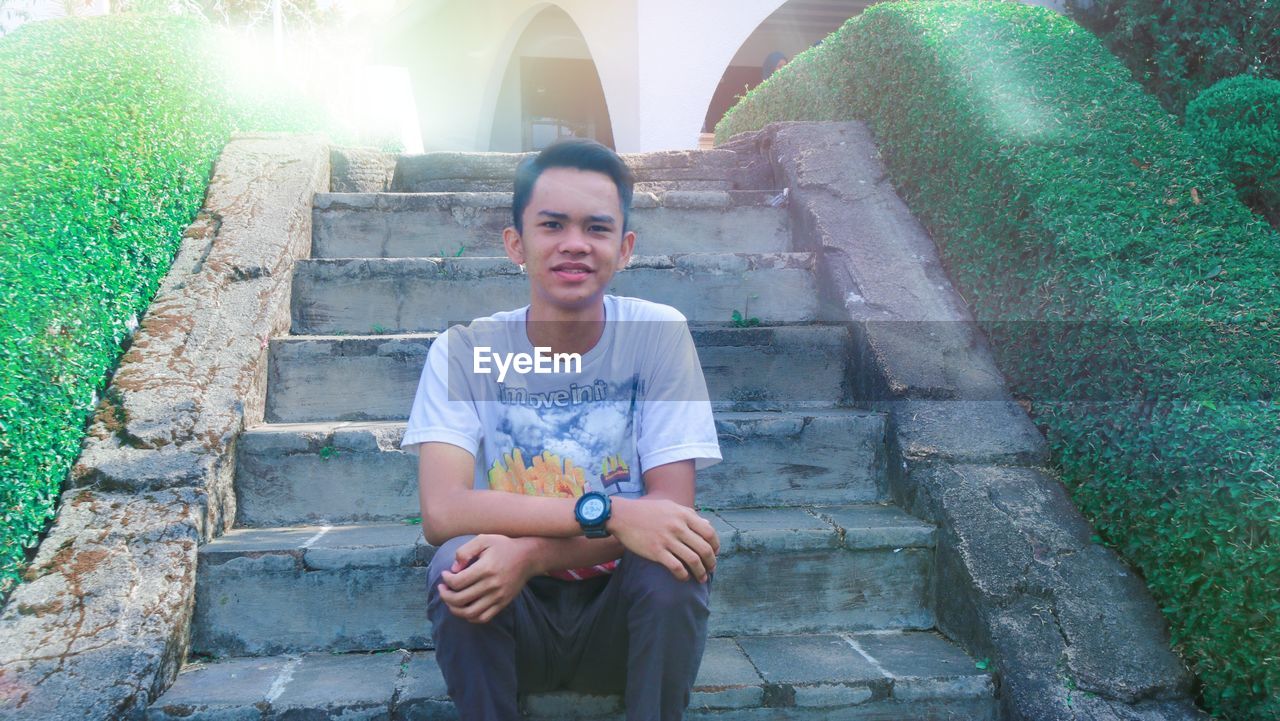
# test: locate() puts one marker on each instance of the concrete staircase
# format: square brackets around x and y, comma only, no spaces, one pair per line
[315,605]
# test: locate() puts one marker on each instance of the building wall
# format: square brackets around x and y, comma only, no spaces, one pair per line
[460,52]
[657,60]
[685,49]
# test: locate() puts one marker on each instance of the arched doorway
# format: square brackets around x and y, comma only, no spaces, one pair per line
[550,89]
[793,28]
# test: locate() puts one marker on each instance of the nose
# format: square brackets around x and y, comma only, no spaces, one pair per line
[574,241]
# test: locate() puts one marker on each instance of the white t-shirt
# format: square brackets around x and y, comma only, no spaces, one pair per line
[639,400]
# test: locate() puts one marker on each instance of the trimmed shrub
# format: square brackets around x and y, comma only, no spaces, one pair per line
[1177,48]
[109,128]
[1238,122]
[1126,292]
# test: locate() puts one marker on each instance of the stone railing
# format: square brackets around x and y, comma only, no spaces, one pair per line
[100,626]
[1070,629]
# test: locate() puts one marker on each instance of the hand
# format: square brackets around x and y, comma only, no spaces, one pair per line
[667,532]
[488,572]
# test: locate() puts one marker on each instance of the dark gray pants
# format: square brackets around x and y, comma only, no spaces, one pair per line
[639,632]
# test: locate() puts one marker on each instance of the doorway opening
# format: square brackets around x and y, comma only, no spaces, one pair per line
[551,89]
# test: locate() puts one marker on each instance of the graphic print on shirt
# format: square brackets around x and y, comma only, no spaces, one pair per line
[548,476]
[566,434]
[575,441]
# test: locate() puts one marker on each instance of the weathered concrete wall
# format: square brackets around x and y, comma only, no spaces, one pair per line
[101,625]
[361,170]
[1071,630]
[407,225]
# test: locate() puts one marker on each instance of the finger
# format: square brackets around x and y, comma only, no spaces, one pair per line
[493,611]
[447,599]
[449,581]
[468,595]
[468,551]
[466,613]
[479,569]
[460,596]
[457,581]
[701,536]
[447,595]
[708,532]
[476,610]
[706,554]
[457,606]
[692,561]
[471,551]
[674,565]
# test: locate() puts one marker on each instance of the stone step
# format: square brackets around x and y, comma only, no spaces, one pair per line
[403,225]
[363,587]
[495,172]
[406,295]
[876,676]
[357,378]
[347,472]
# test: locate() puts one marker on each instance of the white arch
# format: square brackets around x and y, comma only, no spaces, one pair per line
[498,72]
[614,88]
[657,62]
[659,72]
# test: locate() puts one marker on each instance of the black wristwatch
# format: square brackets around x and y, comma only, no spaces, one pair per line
[592,510]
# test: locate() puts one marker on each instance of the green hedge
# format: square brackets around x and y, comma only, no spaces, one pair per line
[109,128]
[1177,48]
[1126,292]
[1238,122]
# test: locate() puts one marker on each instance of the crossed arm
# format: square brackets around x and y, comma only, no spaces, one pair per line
[524,536]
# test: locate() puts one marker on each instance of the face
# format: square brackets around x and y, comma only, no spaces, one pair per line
[572,242]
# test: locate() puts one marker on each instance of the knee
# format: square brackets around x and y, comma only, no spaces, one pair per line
[653,586]
[441,616]
[443,559]
[441,562]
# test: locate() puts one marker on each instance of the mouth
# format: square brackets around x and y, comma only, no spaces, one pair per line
[572,271]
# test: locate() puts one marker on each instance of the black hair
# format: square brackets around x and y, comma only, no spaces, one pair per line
[577,153]
[771,64]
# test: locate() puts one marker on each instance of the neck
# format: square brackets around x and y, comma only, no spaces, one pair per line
[575,331]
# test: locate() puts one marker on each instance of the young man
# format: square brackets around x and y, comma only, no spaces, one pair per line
[570,555]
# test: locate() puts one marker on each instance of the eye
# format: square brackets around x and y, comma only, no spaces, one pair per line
[552,224]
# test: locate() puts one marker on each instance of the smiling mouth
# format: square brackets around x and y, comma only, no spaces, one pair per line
[572,271]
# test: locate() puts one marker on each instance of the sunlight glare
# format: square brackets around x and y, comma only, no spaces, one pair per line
[366,103]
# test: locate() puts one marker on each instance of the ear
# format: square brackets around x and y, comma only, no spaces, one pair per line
[513,244]
[628,245]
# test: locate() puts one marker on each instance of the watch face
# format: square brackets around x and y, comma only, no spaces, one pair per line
[592,508]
